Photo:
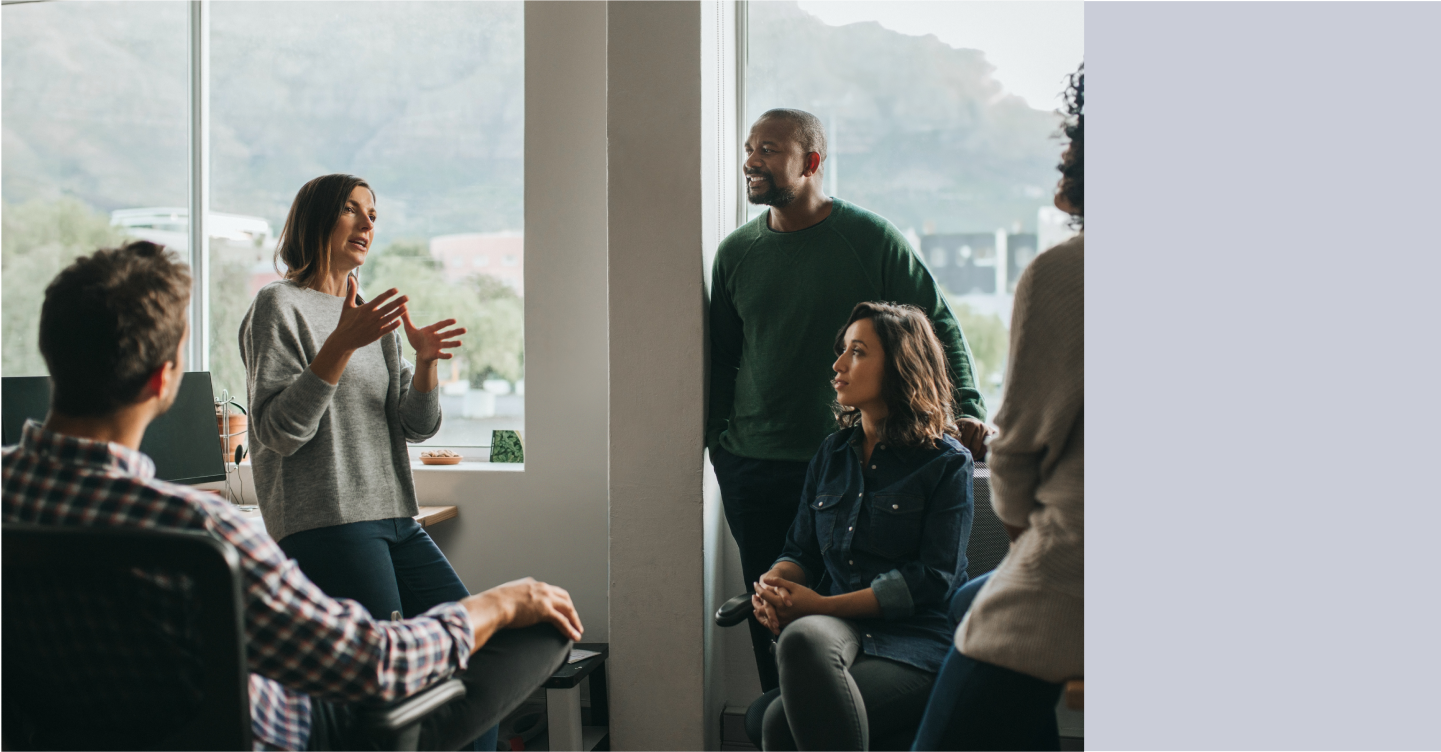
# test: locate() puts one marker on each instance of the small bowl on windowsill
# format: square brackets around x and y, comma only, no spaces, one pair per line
[439,457]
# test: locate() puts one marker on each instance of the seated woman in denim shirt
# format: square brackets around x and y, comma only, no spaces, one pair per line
[859,594]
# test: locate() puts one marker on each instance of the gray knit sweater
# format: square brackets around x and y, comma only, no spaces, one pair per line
[1030,617]
[326,455]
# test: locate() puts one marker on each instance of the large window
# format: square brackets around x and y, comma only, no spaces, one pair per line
[422,99]
[941,117]
[95,121]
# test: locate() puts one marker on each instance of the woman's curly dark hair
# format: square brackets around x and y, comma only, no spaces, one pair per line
[916,385]
[1073,163]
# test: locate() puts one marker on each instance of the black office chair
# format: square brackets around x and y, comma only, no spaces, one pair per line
[123,638]
[985,549]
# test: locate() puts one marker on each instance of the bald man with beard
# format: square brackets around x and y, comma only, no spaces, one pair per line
[783,284]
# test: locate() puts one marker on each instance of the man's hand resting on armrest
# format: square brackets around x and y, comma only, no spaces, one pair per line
[522,603]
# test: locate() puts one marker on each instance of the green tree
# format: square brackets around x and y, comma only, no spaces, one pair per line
[492,313]
[41,237]
[229,300]
[990,343]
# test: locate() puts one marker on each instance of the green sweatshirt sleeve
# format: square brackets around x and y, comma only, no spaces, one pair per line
[908,281]
[726,335]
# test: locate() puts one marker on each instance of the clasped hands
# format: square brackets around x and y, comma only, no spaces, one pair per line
[778,602]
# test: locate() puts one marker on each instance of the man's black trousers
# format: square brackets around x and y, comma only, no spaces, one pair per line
[761,498]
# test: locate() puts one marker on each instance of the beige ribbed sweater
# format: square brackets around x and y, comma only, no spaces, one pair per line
[1030,616]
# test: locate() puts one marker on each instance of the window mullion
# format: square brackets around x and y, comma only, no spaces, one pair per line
[199,208]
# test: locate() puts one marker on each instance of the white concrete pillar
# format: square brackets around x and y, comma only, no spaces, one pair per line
[657,400]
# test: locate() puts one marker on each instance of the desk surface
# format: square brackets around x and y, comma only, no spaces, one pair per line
[430,515]
[570,674]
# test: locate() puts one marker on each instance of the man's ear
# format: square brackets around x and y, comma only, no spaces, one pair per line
[813,163]
[155,385]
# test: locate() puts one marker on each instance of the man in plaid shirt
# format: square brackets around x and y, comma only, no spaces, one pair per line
[113,330]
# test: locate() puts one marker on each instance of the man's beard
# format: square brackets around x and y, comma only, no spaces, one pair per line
[774,196]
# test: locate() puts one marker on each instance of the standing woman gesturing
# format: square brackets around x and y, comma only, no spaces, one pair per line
[332,405]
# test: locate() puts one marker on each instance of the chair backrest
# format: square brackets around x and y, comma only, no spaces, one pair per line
[122,638]
[989,542]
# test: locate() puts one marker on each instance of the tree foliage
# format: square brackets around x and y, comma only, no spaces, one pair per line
[41,237]
[492,313]
[229,301]
[990,344]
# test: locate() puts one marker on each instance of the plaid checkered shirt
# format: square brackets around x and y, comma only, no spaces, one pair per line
[301,642]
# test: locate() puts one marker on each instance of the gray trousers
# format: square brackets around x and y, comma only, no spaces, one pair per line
[501,675]
[833,696]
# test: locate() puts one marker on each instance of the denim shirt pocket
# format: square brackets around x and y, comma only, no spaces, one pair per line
[825,509]
[896,523]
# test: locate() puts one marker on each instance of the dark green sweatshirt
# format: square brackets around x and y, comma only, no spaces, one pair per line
[777,301]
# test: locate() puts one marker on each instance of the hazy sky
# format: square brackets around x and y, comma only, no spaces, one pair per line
[1033,44]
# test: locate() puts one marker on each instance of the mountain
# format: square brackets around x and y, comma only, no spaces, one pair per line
[423,99]
[920,132]
[426,101]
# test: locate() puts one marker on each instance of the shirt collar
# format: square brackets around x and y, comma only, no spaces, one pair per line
[73,450]
[856,444]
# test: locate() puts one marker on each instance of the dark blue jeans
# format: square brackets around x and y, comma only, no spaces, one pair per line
[978,705]
[386,565]
[760,499]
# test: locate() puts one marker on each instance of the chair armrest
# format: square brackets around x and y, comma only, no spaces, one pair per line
[734,611]
[402,713]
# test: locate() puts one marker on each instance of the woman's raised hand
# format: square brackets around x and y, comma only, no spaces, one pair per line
[362,324]
[359,325]
[430,343]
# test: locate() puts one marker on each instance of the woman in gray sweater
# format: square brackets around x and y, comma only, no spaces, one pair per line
[332,405]
[1023,635]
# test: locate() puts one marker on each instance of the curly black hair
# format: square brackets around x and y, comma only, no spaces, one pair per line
[1072,166]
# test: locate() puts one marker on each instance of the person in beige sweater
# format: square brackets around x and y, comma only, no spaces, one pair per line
[1023,634]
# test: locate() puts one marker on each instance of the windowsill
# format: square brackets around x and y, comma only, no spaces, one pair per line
[416,466]
[464,466]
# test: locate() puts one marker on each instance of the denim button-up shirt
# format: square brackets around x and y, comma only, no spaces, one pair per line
[898,525]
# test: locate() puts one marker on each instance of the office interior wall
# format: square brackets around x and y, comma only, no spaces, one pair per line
[720,177]
[656,376]
[549,521]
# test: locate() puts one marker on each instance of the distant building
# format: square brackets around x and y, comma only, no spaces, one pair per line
[978,263]
[964,263]
[234,237]
[498,254]
[262,273]
[171,226]
[1055,227]
[1020,252]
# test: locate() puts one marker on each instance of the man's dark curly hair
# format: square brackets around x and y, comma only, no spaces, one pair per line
[109,320]
[1073,164]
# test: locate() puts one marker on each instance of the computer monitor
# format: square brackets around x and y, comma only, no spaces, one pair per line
[184,442]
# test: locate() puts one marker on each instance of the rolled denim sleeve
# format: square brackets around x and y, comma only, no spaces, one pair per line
[802,546]
[949,513]
[812,577]
[894,595]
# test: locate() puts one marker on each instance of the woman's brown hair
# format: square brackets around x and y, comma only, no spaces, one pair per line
[304,245]
[916,385]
